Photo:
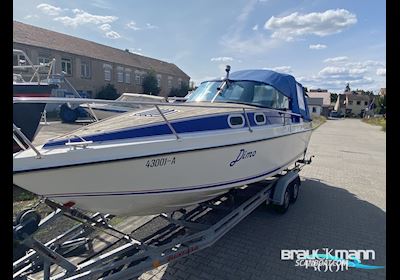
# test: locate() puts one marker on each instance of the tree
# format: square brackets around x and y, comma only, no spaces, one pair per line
[150,84]
[179,92]
[107,92]
[334,97]
[347,88]
[381,105]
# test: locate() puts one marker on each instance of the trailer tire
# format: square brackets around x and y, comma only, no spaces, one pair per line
[282,209]
[294,190]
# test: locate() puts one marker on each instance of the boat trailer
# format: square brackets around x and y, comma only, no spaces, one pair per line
[159,240]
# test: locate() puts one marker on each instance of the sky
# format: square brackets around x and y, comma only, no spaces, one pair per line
[323,44]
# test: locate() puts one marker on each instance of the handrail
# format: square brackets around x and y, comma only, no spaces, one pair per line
[168,123]
[247,119]
[26,140]
[57,100]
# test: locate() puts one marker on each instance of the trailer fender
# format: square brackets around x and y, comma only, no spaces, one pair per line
[281,186]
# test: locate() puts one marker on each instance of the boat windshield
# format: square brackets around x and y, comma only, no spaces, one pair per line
[242,92]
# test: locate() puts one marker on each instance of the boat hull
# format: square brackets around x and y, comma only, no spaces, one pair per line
[27,116]
[167,181]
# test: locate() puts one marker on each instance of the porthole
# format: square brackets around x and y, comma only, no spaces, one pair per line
[259,118]
[236,121]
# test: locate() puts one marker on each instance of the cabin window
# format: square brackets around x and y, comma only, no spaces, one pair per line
[267,96]
[66,66]
[259,118]
[366,103]
[358,102]
[314,110]
[300,97]
[350,102]
[169,82]
[236,121]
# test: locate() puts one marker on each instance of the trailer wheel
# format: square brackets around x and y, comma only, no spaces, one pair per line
[295,189]
[281,209]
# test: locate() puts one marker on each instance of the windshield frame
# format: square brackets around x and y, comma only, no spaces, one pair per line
[211,91]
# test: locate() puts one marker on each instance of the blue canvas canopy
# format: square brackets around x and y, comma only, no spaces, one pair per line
[284,83]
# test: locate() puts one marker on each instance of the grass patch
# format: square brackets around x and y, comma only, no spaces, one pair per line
[377,121]
[317,121]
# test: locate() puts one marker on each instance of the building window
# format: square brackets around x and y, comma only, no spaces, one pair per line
[180,82]
[366,103]
[107,72]
[85,70]
[169,82]
[314,110]
[66,66]
[358,102]
[138,79]
[43,60]
[350,102]
[19,60]
[120,74]
[128,76]
[159,80]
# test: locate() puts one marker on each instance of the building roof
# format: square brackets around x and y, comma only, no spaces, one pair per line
[315,101]
[40,37]
[326,96]
[357,97]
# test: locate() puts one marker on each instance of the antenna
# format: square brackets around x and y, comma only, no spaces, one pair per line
[227,69]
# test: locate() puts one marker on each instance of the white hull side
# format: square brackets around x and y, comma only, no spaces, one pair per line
[129,187]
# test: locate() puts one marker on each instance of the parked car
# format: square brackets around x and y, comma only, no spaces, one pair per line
[335,115]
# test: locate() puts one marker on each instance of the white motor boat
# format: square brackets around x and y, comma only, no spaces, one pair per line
[230,132]
[103,111]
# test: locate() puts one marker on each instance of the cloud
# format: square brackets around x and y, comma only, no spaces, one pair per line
[101,4]
[105,27]
[111,34]
[49,9]
[320,24]
[31,16]
[255,27]
[336,59]
[137,51]
[222,58]
[318,47]
[81,17]
[150,26]
[132,25]
[282,69]
[381,72]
